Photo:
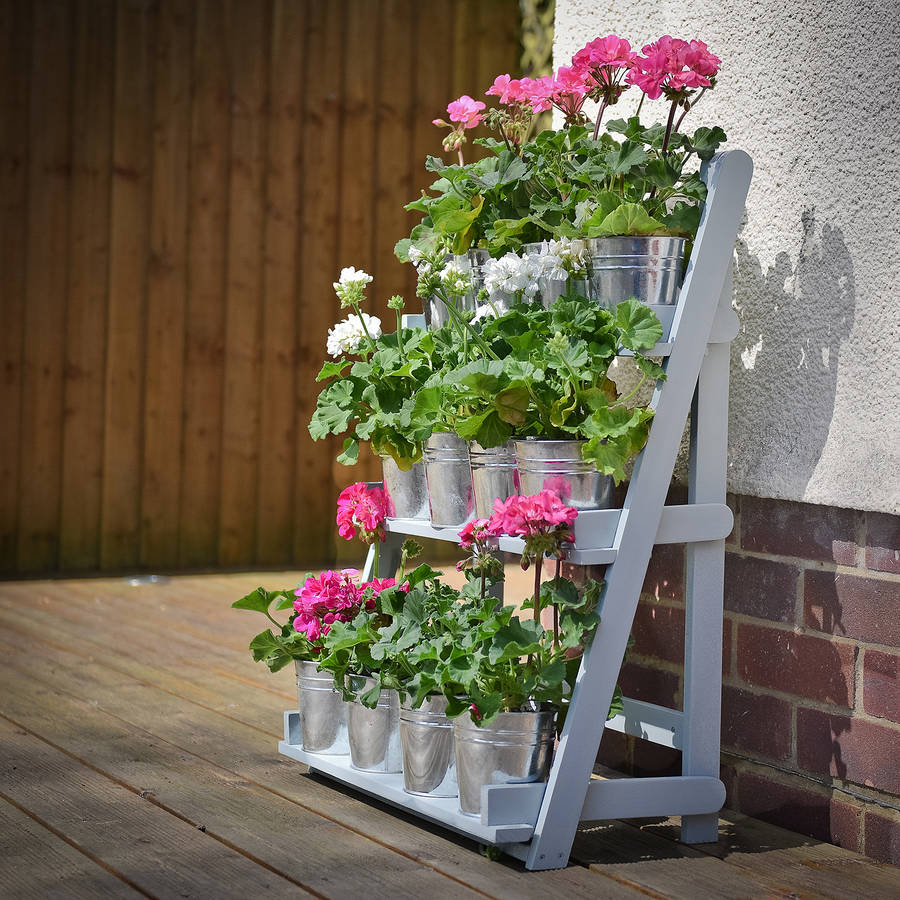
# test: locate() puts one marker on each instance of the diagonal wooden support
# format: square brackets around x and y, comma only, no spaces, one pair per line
[728,180]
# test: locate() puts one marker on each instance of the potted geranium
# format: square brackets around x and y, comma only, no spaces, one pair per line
[371,387]
[628,181]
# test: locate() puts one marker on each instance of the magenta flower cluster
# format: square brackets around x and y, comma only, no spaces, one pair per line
[542,519]
[333,597]
[361,511]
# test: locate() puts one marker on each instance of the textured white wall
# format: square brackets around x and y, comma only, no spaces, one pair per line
[810,90]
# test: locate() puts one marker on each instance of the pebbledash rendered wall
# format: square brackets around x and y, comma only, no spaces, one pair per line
[811,704]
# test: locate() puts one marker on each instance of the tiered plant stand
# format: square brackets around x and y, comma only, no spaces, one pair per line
[537,822]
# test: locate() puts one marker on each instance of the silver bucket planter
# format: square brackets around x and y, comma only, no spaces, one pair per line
[429,759]
[499,303]
[375,733]
[323,712]
[648,267]
[435,310]
[515,748]
[494,475]
[558,466]
[449,480]
[407,494]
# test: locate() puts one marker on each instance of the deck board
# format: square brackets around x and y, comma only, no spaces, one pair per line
[137,711]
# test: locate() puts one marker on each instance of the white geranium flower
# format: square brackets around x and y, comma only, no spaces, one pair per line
[456,279]
[346,336]
[512,274]
[351,276]
[557,260]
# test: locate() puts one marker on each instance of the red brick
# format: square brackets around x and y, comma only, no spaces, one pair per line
[882,838]
[881,684]
[825,533]
[853,749]
[760,587]
[665,573]
[800,664]
[818,815]
[883,542]
[658,631]
[756,723]
[862,608]
[652,685]
[726,646]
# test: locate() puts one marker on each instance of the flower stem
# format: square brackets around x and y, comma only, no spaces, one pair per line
[603,106]
[687,109]
[362,322]
[376,557]
[400,336]
[556,610]
[538,567]
[671,119]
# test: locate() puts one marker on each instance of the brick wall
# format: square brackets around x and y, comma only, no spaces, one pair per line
[811,699]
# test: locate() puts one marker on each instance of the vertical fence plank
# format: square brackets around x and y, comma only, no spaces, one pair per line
[161,476]
[129,242]
[47,234]
[318,307]
[357,162]
[248,44]
[82,453]
[393,177]
[15,52]
[274,541]
[205,315]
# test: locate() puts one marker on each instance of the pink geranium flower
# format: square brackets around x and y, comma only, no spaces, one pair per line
[673,67]
[466,111]
[361,511]
[509,90]
[542,519]
[325,599]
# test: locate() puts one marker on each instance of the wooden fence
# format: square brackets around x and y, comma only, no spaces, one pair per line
[180,183]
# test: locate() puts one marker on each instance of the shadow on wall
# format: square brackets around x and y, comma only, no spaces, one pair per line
[794,318]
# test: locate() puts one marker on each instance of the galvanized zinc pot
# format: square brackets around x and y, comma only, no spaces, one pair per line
[648,267]
[375,733]
[558,466]
[494,475]
[436,313]
[515,748]
[323,712]
[551,289]
[407,493]
[429,759]
[449,480]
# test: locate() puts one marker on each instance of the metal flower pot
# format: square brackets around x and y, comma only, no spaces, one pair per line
[648,267]
[558,466]
[429,759]
[494,475]
[551,289]
[323,712]
[449,480]
[435,310]
[515,748]
[407,493]
[375,733]
[498,304]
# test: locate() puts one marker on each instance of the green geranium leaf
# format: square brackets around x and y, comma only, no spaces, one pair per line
[623,160]
[332,369]
[627,219]
[258,600]
[649,368]
[350,454]
[639,327]
[684,219]
[706,141]
[512,405]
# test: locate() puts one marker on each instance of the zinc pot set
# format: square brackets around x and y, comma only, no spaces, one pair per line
[438,756]
[459,480]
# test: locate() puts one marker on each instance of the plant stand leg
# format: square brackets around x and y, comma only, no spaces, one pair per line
[705,573]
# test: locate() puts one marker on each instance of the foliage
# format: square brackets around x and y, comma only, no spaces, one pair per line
[279,647]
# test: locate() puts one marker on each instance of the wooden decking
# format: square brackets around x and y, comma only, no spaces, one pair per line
[138,758]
